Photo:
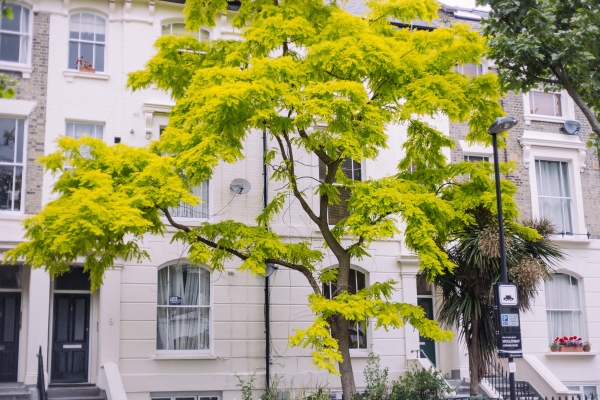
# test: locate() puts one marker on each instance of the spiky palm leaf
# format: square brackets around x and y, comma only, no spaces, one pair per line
[467,296]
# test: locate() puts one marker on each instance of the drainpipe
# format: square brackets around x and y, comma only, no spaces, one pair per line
[267,305]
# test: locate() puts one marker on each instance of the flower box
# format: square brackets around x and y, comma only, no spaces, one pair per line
[571,349]
[90,70]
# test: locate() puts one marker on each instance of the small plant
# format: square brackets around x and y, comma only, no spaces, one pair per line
[81,63]
[594,142]
[569,341]
[554,346]
[376,378]
[421,384]
[247,386]
[587,346]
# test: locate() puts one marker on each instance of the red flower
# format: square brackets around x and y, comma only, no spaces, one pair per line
[566,338]
[578,338]
[556,340]
[561,340]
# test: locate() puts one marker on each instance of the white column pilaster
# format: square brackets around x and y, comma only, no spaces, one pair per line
[109,322]
[38,317]
[409,265]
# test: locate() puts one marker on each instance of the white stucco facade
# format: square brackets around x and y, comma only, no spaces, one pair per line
[123,312]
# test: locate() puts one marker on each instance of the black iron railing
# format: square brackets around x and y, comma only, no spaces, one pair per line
[41,385]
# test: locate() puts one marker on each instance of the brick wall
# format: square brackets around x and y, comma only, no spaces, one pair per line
[513,106]
[34,89]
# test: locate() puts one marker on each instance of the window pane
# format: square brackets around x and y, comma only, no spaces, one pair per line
[562,293]
[471,69]
[100,29]
[13,24]
[545,103]
[200,210]
[204,287]
[166,29]
[17,193]
[183,328]
[163,286]
[339,211]
[74,26]
[204,35]
[24,20]
[87,51]
[10,277]
[178,29]
[7,139]
[6,187]
[75,279]
[576,301]
[9,47]
[161,329]
[73,54]
[87,27]
[20,139]
[98,64]
[184,283]
[24,50]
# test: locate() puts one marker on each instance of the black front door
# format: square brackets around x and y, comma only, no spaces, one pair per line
[427,345]
[70,347]
[10,315]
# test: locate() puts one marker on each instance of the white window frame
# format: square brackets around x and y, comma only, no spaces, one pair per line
[557,147]
[580,309]
[25,68]
[480,69]
[367,329]
[196,352]
[568,109]
[71,67]
[23,165]
[580,386]
[477,150]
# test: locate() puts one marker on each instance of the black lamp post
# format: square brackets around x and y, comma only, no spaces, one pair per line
[502,125]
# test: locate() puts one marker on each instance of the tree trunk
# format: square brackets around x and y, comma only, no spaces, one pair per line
[340,333]
[339,329]
[473,347]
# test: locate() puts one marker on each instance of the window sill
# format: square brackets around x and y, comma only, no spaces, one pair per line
[12,215]
[570,239]
[565,354]
[25,70]
[168,357]
[71,74]
[360,354]
[543,118]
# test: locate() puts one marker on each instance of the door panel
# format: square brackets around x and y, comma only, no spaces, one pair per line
[70,347]
[10,315]
[427,345]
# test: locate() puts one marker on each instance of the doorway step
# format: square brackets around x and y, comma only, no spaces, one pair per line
[17,391]
[75,392]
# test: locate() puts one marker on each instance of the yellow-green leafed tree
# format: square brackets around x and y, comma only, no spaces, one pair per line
[301,62]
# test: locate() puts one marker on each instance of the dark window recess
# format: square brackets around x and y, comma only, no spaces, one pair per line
[352,170]
[357,331]
[75,279]
[476,158]
[10,277]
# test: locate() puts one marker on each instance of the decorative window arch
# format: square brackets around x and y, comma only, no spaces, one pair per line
[15,35]
[357,332]
[87,41]
[183,308]
[563,306]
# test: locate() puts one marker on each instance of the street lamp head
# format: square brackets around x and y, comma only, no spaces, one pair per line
[502,124]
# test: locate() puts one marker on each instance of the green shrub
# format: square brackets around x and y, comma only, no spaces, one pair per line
[419,384]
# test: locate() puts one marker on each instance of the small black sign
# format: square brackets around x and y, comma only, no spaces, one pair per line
[508,320]
[175,300]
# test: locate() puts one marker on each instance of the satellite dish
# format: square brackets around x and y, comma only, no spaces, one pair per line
[240,186]
[571,127]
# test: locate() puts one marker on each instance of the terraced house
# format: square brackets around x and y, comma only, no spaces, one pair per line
[166,329]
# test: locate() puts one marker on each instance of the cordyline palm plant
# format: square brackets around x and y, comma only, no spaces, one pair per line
[467,295]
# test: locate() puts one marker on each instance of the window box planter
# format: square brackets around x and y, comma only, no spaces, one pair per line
[571,349]
[90,70]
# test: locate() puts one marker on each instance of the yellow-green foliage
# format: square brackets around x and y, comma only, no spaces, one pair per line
[301,64]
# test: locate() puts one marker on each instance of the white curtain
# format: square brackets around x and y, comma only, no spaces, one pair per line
[183,326]
[163,300]
[554,193]
[563,304]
